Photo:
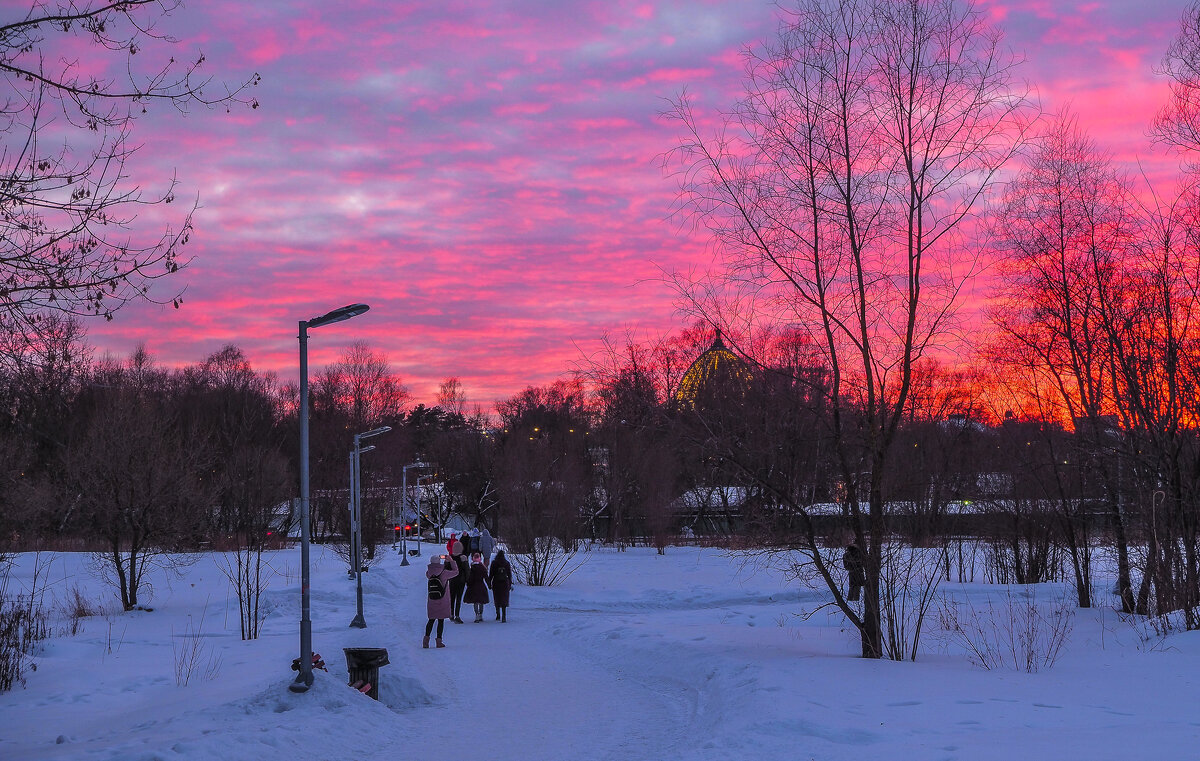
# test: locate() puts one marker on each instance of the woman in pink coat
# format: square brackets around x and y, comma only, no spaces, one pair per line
[441,569]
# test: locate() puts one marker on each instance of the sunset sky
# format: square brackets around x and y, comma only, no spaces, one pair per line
[484,174]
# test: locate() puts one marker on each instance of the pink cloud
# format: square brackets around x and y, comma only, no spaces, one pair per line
[484,174]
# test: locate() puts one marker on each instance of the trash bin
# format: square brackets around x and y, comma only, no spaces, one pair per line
[363,664]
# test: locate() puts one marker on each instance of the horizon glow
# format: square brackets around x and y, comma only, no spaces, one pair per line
[484,175]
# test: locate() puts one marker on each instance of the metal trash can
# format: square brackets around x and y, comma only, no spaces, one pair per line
[363,664]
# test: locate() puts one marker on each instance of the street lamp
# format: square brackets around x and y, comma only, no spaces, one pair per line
[304,679]
[419,479]
[356,515]
[404,506]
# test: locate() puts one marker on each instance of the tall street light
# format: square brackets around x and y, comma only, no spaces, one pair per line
[419,478]
[356,515]
[404,507]
[304,679]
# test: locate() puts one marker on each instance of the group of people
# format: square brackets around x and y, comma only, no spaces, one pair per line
[465,573]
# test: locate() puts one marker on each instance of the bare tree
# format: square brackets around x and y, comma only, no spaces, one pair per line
[836,191]
[368,387]
[1156,359]
[1063,230]
[137,476]
[543,473]
[1178,123]
[256,480]
[357,393]
[451,396]
[235,409]
[68,237]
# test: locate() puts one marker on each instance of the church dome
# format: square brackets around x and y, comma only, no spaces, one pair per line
[711,373]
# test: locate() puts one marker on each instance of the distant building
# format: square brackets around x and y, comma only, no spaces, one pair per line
[716,372]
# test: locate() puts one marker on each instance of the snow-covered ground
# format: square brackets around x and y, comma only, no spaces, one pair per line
[691,655]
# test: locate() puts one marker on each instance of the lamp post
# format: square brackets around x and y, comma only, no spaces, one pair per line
[419,478]
[356,515]
[304,679]
[404,507]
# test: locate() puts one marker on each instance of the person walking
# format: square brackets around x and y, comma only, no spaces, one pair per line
[477,586]
[486,545]
[441,571]
[852,561]
[500,577]
[458,584]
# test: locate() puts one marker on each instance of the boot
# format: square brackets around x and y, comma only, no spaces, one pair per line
[504,616]
[479,619]
[439,642]
[497,614]
[425,641]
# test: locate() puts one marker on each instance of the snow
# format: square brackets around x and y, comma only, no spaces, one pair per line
[691,655]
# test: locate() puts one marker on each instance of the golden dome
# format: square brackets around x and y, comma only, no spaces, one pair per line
[717,363]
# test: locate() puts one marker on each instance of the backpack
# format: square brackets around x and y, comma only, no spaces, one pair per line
[501,575]
[436,590]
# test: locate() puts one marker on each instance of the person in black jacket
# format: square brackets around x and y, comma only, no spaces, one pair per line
[477,586]
[852,561]
[458,584]
[500,576]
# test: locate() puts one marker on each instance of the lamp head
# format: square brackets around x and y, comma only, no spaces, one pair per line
[373,432]
[337,315]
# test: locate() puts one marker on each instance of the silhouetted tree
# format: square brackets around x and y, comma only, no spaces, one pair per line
[836,192]
[69,236]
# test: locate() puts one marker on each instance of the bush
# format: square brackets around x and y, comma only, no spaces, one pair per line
[190,652]
[1014,632]
[548,562]
[908,581]
[75,609]
[22,626]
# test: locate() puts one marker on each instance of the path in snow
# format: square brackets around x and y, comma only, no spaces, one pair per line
[532,683]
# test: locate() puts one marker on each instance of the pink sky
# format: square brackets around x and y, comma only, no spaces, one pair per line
[484,174]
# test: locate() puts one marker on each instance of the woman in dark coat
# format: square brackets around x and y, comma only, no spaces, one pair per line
[477,586]
[500,577]
[444,570]
[459,584]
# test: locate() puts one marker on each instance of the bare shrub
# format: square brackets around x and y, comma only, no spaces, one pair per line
[908,582]
[249,573]
[548,562]
[1013,632]
[75,608]
[343,548]
[961,557]
[1153,628]
[22,626]
[191,651]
